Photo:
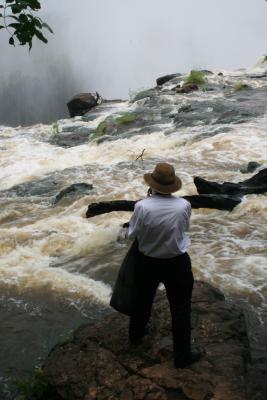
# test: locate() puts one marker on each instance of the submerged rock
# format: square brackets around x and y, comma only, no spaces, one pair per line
[250,167]
[73,137]
[234,108]
[99,364]
[186,109]
[82,103]
[77,189]
[51,185]
[256,184]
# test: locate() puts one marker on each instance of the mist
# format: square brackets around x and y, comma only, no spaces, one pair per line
[117,47]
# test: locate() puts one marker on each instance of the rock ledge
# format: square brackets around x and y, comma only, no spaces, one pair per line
[99,364]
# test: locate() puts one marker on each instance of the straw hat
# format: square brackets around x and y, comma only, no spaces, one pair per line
[163,179]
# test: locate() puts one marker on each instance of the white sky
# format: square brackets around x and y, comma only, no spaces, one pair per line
[114,46]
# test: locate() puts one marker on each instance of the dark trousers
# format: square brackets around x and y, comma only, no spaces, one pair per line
[177,277]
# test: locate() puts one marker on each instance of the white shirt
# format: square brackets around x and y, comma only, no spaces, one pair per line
[161,225]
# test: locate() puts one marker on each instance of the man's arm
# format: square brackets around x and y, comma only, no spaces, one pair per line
[188,216]
[135,222]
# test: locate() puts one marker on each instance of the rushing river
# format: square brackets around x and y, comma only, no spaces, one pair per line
[57,267]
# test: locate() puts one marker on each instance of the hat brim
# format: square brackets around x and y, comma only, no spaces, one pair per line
[165,189]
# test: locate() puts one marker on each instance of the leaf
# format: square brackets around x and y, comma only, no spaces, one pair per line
[11,41]
[14,25]
[15,9]
[40,36]
[45,25]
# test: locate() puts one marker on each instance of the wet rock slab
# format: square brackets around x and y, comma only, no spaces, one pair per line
[98,363]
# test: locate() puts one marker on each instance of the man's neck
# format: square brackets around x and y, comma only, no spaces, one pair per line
[161,194]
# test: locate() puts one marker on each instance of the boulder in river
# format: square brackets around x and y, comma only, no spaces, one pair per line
[81,103]
[98,363]
[76,189]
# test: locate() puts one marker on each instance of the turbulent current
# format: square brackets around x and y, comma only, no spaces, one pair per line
[57,267]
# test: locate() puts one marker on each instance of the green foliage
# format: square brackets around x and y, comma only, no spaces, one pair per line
[67,338]
[240,86]
[32,388]
[126,119]
[196,77]
[100,130]
[19,19]
[55,128]
[112,124]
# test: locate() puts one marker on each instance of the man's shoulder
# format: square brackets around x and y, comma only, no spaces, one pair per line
[183,201]
[143,202]
[185,205]
[148,201]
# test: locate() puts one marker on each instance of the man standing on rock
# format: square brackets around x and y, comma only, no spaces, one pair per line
[161,224]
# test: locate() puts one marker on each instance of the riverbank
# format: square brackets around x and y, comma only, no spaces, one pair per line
[97,363]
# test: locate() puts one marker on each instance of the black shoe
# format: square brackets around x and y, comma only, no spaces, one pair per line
[193,357]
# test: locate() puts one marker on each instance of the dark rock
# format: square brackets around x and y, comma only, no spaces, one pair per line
[208,89]
[106,101]
[255,184]
[257,76]
[186,88]
[185,109]
[109,206]
[218,202]
[82,103]
[250,167]
[206,72]
[77,189]
[163,79]
[220,74]
[99,364]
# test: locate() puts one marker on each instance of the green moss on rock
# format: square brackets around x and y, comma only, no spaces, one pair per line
[196,77]
[125,119]
[100,130]
[33,387]
[240,86]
